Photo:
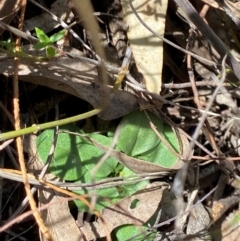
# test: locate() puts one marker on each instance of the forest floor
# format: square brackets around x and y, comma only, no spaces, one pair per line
[174,172]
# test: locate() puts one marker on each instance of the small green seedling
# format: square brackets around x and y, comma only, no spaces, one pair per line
[8,45]
[47,42]
[75,157]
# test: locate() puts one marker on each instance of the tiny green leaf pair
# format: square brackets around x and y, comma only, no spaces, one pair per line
[47,42]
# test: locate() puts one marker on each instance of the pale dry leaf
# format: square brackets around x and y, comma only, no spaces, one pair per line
[77,78]
[234,8]
[121,213]
[235,141]
[8,9]
[147,49]
[58,218]
[221,206]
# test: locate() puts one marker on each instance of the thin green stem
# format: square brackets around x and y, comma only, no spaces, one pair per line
[36,128]
[23,55]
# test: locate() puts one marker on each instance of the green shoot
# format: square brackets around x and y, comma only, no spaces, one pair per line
[47,43]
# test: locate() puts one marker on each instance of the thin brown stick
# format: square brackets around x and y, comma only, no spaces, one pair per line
[33,205]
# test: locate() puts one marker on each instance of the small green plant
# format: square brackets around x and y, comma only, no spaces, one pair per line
[8,45]
[75,157]
[47,42]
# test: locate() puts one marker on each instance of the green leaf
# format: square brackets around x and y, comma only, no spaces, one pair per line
[105,198]
[73,155]
[50,51]
[40,45]
[7,44]
[136,135]
[127,190]
[137,139]
[133,233]
[42,36]
[66,162]
[90,155]
[57,36]
[111,195]
[161,154]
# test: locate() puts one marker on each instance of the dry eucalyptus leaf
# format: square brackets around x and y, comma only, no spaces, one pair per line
[147,48]
[234,6]
[77,78]
[58,218]
[8,10]
[122,212]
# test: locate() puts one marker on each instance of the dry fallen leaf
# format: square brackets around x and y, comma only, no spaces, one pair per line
[147,49]
[234,6]
[58,218]
[77,78]
[121,213]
